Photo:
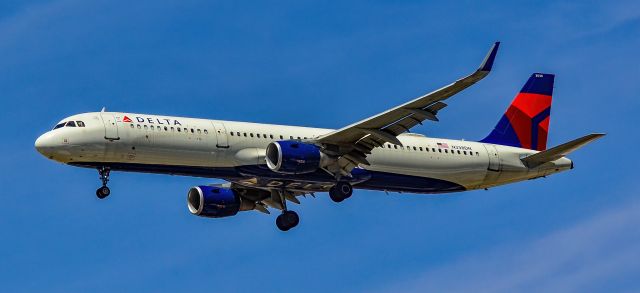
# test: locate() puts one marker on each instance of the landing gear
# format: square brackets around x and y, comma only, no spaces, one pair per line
[103,191]
[340,191]
[287,220]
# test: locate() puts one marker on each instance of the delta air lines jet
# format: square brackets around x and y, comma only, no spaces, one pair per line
[268,166]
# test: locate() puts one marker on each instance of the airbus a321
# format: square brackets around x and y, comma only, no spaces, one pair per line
[271,166]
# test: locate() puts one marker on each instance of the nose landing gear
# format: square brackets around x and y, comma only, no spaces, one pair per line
[103,191]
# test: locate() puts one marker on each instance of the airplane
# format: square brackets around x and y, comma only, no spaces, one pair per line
[266,166]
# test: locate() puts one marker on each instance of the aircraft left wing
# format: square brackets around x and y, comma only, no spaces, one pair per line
[353,143]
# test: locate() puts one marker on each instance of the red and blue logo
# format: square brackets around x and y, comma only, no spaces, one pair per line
[526,122]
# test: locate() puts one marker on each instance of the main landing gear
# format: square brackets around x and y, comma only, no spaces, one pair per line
[288,219]
[103,191]
[341,191]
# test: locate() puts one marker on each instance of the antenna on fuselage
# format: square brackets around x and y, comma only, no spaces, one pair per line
[103,109]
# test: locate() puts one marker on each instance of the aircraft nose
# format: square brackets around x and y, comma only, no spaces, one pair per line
[44,144]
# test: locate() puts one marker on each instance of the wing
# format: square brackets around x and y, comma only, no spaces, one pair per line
[353,143]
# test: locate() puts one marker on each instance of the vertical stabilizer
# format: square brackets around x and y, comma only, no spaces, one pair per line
[526,122]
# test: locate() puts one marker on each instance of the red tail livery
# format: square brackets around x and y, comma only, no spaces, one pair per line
[526,122]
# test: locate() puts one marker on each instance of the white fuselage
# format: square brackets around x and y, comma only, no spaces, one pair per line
[236,151]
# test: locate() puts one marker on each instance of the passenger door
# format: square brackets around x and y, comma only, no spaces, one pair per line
[110,126]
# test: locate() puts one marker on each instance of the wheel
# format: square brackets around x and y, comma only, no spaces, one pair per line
[287,220]
[103,192]
[345,189]
[340,192]
[335,195]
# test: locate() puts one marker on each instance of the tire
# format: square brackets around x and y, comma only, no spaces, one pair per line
[287,220]
[340,191]
[103,192]
[335,195]
[280,223]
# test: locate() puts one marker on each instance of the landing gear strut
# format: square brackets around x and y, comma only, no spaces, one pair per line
[103,191]
[341,191]
[288,219]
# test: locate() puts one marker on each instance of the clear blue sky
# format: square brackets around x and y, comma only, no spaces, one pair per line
[325,64]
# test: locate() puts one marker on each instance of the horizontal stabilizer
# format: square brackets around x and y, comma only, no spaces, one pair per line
[560,151]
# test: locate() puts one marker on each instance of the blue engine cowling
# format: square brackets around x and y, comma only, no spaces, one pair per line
[293,157]
[216,202]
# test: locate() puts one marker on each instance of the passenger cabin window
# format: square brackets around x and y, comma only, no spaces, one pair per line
[206,132]
[281,137]
[258,135]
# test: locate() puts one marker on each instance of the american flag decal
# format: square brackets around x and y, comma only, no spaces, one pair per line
[443,145]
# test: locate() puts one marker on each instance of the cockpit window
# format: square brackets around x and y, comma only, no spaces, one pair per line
[60,125]
[80,123]
[70,124]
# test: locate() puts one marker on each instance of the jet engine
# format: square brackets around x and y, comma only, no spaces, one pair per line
[216,202]
[293,157]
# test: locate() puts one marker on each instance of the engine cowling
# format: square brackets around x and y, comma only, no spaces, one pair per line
[216,202]
[293,157]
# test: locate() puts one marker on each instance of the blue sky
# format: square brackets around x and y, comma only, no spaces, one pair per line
[325,64]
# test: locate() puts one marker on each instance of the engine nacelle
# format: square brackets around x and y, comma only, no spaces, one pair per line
[216,202]
[293,157]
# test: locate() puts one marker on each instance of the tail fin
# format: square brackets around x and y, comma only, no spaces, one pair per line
[526,122]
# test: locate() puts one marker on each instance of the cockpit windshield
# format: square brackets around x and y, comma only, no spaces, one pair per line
[69,124]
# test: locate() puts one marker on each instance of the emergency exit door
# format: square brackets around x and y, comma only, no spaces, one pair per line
[221,134]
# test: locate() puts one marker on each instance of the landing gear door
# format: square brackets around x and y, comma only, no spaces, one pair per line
[494,159]
[110,126]
[221,134]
